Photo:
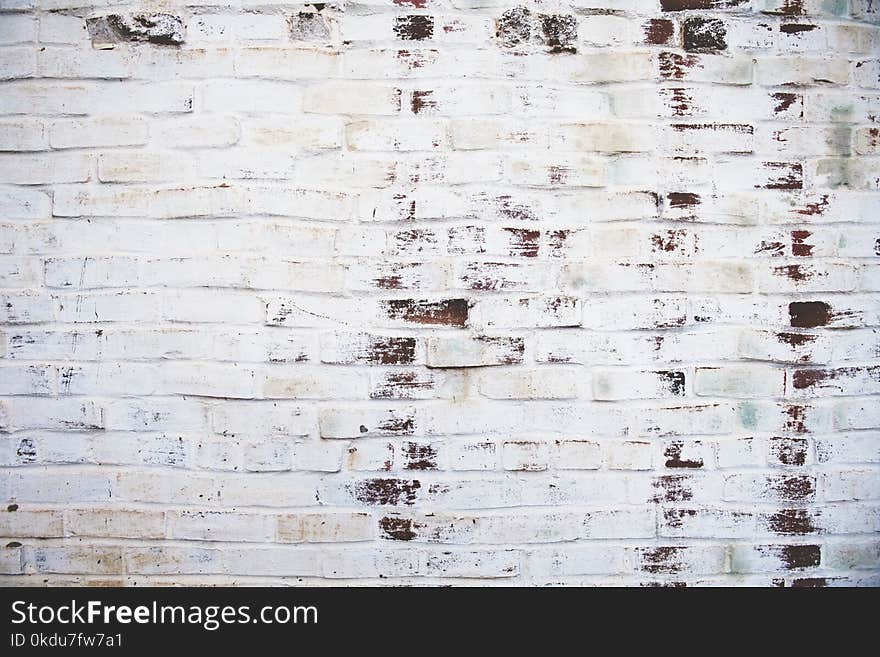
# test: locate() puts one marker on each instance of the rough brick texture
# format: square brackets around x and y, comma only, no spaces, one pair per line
[440,292]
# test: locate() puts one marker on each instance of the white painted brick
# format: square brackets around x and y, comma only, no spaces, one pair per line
[45,168]
[401,295]
[106,131]
[251,97]
[340,98]
[739,381]
[62,28]
[18,28]
[610,384]
[630,455]
[23,135]
[549,383]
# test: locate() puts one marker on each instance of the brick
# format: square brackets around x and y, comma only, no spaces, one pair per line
[334,98]
[115,524]
[366,423]
[805,71]
[104,132]
[525,456]
[473,455]
[473,352]
[739,381]
[694,67]
[840,381]
[673,559]
[772,558]
[44,169]
[23,135]
[251,97]
[440,293]
[299,382]
[610,384]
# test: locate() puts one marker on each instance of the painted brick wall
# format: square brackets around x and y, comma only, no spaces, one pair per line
[440,291]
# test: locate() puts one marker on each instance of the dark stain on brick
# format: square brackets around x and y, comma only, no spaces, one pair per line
[66,374]
[523,242]
[799,247]
[682,199]
[813,209]
[674,518]
[415,27]
[784,100]
[796,28]
[417,59]
[390,282]
[661,560]
[809,582]
[792,521]
[514,28]
[675,584]
[449,312]
[809,314]
[398,529]
[416,239]
[419,456]
[796,339]
[514,346]
[741,128]
[392,351]
[467,239]
[507,208]
[398,385]
[873,133]
[799,556]
[674,66]
[801,487]
[686,5]
[704,34]
[680,102]
[791,176]
[402,425]
[422,100]
[673,488]
[803,379]
[12,507]
[438,489]
[386,491]
[309,26]
[159,29]
[556,240]
[796,418]
[788,8]
[674,382]
[797,273]
[672,453]
[558,174]
[407,207]
[669,241]
[789,451]
[773,248]
[559,32]
[392,276]
[659,31]
[27,451]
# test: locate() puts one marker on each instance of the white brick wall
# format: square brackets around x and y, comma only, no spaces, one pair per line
[440,291]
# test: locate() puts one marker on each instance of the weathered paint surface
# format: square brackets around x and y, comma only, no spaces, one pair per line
[440,291]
